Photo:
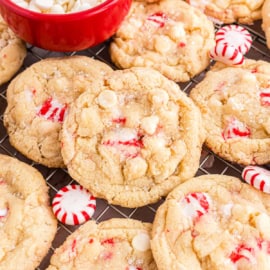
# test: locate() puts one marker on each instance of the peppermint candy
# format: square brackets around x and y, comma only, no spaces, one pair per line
[235,129]
[257,177]
[73,205]
[265,97]
[196,204]
[242,251]
[158,18]
[236,36]
[52,110]
[227,54]
[232,43]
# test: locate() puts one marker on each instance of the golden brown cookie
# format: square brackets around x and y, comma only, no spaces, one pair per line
[266,21]
[27,224]
[39,99]
[169,36]
[12,52]
[111,244]
[235,105]
[212,222]
[133,139]
[230,11]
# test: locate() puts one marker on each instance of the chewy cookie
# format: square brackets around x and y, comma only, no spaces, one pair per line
[266,21]
[111,244]
[39,99]
[169,36]
[12,52]
[230,11]
[27,225]
[235,104]
[212,222]
[133,140]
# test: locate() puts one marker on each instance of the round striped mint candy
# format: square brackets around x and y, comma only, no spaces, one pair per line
[73,205]
[236,36]
[257,177]
[226,54]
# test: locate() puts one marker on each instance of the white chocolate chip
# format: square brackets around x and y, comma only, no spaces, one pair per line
[44,4]
[57,9]
[159,96]
[162,44]
[177,32]
[141,242]
[57,6]
[3,212]
[149,124]
[135,168]
[107,99]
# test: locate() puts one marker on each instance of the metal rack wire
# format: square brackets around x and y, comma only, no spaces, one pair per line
[57,178]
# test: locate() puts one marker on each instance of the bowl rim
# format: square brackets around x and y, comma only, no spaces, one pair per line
[65,16]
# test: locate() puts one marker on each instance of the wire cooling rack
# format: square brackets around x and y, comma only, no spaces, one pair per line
[57,178]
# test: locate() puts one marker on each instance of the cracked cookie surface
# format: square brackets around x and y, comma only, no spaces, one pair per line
[230,11]
[134,139]
[122,244]
[169,36]
[39,99]
[266,21]
[12,52]
[235,105]
[27,224]
[212,222]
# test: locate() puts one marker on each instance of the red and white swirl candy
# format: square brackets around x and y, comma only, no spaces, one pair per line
[235,129]
[232,43]
[73,205]
[257,177]
[227,54]
[236,36]
[195,204]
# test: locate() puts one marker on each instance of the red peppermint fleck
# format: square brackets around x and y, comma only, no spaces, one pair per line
[120,120]
[220,86]
[91,240]
[196,204]
[109,241]
[241,252]
[158,18]
[73,245]
[52,110]
[254,70]
[236,129]
[265,97]
[133,268]
[34,91]
[182,44]
[264,245]
[107,255]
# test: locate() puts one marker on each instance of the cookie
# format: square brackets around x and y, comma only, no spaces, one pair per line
[39,99]
[27,224]
[230,11]
[12,52]
[212,222]
[266,21]
[112,244]
[134,140]
[169,36]
[235,105]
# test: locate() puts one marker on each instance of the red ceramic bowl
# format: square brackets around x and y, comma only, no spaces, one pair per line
[66,32]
